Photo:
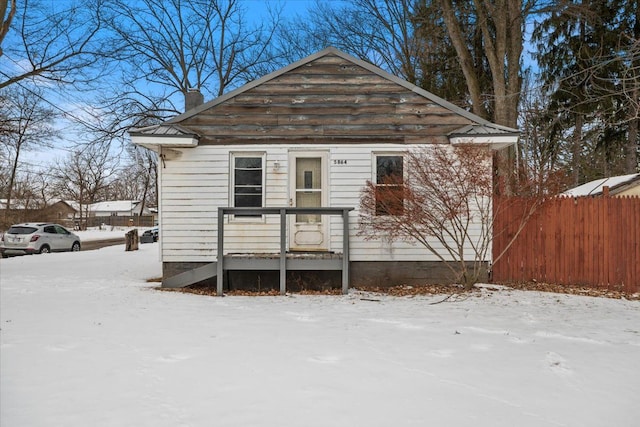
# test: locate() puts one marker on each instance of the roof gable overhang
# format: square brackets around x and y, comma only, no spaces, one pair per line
[155,142]
[164,135]
[494,136]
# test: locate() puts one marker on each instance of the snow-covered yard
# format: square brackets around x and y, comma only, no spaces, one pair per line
[86,341]
[94,234]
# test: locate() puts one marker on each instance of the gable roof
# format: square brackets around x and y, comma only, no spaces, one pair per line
[594,188]
[64,203]
[366,65]
[174,127]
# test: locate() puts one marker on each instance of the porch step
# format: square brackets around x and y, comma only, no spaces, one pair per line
[190,277]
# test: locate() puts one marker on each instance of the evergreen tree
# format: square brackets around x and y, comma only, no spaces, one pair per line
[583,54]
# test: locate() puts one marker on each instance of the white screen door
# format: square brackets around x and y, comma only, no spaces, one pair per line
[309,190]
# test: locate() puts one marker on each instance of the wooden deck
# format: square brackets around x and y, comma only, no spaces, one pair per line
[284,260]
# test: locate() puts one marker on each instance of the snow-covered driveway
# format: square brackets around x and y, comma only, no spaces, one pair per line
[85,341]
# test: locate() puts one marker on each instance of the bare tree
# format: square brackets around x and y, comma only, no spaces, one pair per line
[378,31]
[84,175]
[54,41]
[444,203]
[544,151]
[171,47]
[179,45]
[501,23]
[6,18]
[27,124]
[137,179]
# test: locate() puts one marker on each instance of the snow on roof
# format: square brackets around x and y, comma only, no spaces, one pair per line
[593,188]
[114,206]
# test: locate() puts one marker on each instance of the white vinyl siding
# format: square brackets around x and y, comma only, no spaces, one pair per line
[197,182]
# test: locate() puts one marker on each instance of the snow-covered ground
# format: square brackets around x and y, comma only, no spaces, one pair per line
[86,341]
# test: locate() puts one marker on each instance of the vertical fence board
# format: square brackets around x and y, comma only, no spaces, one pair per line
[599,239]
[581,246]
[606,243]
[636,242]
[592,255]
[619,243]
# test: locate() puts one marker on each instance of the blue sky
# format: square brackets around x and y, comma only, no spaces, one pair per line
[74,105]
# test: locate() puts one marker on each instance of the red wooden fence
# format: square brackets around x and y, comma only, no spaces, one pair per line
[574,241]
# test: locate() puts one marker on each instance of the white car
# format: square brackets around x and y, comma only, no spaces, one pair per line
[37,238]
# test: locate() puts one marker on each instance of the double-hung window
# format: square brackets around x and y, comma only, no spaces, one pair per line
[389,175]
[248,181]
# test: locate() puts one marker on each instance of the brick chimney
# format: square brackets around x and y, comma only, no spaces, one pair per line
[192,99]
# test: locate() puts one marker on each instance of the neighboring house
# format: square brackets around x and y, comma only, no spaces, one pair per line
[309,135]
[623,185]
[117,208]
[112,213]
[61,212]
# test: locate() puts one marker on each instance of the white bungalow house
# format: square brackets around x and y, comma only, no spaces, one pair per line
[264,182]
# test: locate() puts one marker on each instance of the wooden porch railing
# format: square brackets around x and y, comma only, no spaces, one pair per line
[281,263]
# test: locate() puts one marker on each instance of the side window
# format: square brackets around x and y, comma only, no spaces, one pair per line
[248,185]
[61,230]
[50,229]
[389,185]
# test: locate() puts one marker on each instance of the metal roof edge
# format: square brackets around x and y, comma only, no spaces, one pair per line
[498,130]
[148,130]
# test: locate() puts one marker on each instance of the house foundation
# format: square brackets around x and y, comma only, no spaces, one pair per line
[362,274]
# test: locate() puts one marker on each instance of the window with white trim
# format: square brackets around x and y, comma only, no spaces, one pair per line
[247,188]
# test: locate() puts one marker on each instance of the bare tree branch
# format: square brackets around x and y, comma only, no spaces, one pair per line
[57,45]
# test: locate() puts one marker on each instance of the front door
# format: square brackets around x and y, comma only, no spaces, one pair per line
[308,179]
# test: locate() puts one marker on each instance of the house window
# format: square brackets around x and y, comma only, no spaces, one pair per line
[248,180]
[389,185]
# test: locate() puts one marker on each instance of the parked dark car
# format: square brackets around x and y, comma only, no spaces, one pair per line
[150,236]
[37,238]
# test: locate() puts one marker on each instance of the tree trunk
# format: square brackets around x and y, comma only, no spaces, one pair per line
[501,24]
[576,147]
[464,58]
[631,147]
[12,179]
